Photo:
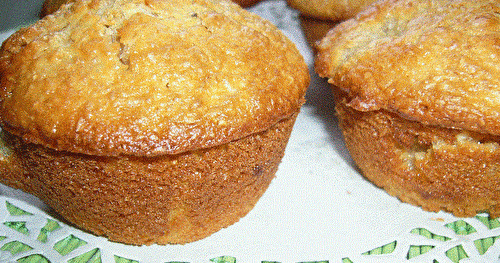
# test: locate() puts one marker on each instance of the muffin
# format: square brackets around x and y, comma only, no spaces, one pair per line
[332,10]
[246,3]
[315,29]
[319,16]
[148,122]
[50,6]
[417,89]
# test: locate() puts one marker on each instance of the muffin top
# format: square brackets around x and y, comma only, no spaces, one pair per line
[144,78]
[50,6]
[335,10]
[431,61]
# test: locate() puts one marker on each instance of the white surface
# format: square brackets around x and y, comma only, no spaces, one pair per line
[317,208]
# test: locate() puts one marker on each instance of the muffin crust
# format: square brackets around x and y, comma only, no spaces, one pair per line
[418,88]
[168,199]
[115,89]
[421,59]
[148,121]
[332,10]
[429,166]
[51,6]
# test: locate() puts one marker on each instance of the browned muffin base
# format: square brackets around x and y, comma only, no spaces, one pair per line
[168,199]
[433,167]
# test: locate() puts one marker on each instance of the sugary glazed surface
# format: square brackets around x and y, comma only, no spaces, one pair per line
[50,6]
[431,61]
[147,77]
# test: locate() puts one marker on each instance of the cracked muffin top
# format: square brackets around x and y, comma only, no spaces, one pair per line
[145,78]
[431,61]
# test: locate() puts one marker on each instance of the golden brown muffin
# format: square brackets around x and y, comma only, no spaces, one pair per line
[420,100]
[319,16]
[148,122]
[246,3]
[334,10]
[315,29]
[50,6]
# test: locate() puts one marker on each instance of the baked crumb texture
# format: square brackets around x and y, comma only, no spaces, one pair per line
[172,199]
[419,99]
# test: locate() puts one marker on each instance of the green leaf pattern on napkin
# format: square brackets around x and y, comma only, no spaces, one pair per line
[74,249]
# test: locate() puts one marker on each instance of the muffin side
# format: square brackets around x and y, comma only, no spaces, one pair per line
[418,99]
[433,167]
[170,199]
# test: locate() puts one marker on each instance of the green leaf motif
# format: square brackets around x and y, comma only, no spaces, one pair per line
[456,253]
[224,259]
[16,211]
[68,244]
[15,247]
[488,222]
[72,242]
[428,234]
[461,227]
[385,249]
[92,256]
[45,231]
[18,226]
[415,251]
[35,258]
[482,245]
[124,260]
